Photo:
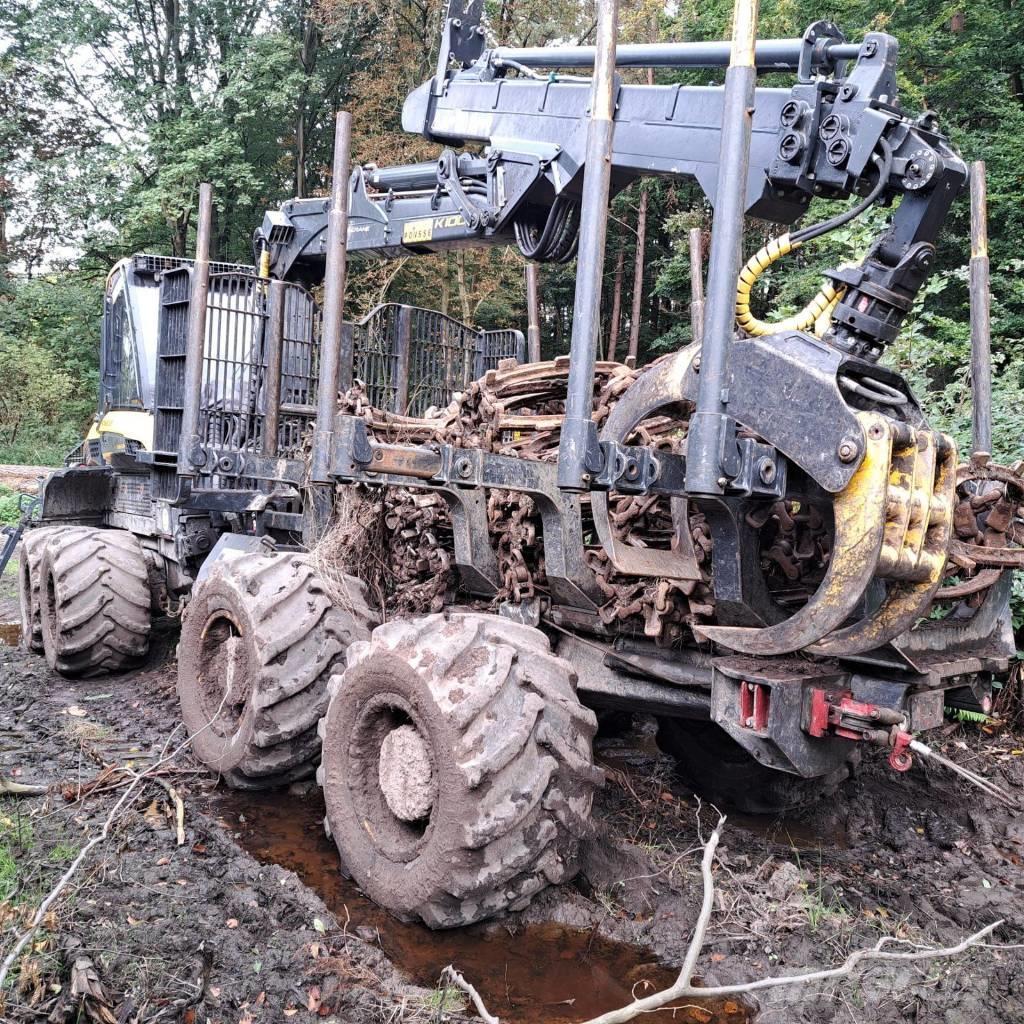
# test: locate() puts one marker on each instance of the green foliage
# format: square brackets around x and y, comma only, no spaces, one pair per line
[49,339]
[10,511]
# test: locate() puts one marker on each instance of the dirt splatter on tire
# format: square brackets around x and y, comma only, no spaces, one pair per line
[30,557]
[94,601]
[259,641]
[485,797]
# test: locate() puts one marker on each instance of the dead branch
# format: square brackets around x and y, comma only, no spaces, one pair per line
[10,788]
[460,982]
[683,989]
[62,882]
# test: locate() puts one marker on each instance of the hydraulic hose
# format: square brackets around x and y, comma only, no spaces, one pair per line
[817,314]
[825,300]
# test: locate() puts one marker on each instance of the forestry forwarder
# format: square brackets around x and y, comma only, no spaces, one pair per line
[810,501]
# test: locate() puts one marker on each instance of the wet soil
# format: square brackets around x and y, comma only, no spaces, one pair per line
[251,920]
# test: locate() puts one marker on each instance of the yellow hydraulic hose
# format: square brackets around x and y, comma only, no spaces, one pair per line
[815,315]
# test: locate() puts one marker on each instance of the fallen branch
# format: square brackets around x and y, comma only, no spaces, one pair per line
[460,982]
[62,883]
[683,989]
[179,808]
[37,919]
[10,788]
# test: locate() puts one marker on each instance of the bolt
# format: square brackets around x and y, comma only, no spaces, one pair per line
[875,431]
[870,48]
[766,470]
[463,467]
[847,92]
[378,455]
[848,450]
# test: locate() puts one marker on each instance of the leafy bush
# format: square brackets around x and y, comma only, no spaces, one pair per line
[9,512]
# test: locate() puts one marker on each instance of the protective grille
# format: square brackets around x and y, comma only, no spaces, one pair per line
[411,359]
[234,396]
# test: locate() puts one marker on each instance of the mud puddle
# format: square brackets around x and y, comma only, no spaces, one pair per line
[10,634]
[541,974]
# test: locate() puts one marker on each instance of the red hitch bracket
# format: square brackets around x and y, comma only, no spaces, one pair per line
[836,713]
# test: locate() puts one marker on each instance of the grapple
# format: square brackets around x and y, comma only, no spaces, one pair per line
[893,525]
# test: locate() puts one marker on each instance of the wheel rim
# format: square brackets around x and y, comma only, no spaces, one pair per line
[391,774]
[223,679]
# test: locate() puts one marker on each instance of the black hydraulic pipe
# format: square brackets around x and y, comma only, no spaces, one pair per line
[331,335]
[708,427]
[189,441]
[981,326]
[770,55]
[579,435]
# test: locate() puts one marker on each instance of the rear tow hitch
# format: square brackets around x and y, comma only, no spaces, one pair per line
[838,714]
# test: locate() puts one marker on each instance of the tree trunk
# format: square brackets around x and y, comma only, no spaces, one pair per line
[308,53]
[613,327]
[179,237]
[460,278]
[638,278]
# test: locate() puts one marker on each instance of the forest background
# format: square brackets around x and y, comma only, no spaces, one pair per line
[113,111]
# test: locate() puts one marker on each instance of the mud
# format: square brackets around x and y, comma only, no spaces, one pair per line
[538,972]
[250,920]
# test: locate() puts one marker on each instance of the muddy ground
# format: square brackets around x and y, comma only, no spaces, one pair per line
[249,919]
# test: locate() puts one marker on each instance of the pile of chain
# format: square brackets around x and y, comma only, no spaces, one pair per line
[518,409]
[988,526]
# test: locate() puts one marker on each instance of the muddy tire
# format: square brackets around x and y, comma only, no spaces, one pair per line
[30,557]
[457,767]
[94,602]
[260,639]
[715,766]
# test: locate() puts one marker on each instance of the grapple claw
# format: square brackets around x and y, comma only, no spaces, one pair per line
[915,570]
[860,520]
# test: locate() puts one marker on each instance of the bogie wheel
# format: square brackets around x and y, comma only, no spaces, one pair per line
[714,765]
[457,767]
[30,557]
[259,641]
[94,601]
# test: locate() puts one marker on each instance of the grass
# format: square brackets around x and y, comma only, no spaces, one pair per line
[15,840]
[63,853]
[84,730]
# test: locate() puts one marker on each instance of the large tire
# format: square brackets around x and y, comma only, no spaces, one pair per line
[714,765]
[30,557]
[259,641]
[94,601]
[457,767]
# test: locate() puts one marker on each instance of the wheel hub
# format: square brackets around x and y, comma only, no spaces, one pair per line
[405,773]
